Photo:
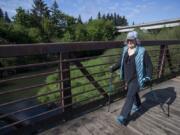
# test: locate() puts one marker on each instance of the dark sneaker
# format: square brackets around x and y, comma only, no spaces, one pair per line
[121,120]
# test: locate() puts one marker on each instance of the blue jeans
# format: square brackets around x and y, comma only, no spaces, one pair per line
[132,97]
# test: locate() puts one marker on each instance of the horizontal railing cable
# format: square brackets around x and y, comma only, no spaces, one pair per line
[46,103]
[32,97]
[44,113]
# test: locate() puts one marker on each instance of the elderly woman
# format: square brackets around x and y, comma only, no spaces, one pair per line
[136,70]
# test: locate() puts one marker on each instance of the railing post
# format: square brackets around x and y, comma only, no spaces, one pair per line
[161,62]
[169,60]
[65,84]
[164,53]
[91,79]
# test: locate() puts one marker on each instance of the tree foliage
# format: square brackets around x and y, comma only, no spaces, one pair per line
[115,18]
[47,24]
[1,14]
[22,17]
[6,18]
[100,30]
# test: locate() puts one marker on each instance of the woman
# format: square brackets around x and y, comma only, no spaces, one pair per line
[136,70]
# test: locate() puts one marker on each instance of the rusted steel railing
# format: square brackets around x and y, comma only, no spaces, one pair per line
[19,63]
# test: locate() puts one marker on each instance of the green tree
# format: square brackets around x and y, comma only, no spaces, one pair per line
[99,15]
[39,11]
[124,21]
[6,18]
[18,33]
[104,16]
[35,35]
[70,20]
[79,20]
[1,14]
[57,17]
[58,20]
[80,32]
[90,19]
[100,30]
[55,13]
[115,19]
[108,30]
[3,31]
[111,17]
[48,29]
[22,17]
[69,34]
[70,24]
[108,16]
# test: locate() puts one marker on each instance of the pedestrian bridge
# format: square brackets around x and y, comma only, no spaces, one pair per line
[157,117]
[150,26]
[63,88]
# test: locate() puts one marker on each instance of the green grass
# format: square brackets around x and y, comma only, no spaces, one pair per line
[13,85]
[78,84]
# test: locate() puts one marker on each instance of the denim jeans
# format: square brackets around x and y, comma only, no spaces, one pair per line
[132,97]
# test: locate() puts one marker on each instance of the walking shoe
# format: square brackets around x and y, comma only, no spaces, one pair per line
[135,108]
[121,120]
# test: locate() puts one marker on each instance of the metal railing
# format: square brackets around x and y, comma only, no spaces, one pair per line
[59,85]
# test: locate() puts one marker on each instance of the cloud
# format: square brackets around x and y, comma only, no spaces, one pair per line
[133,10]
[136,10]
[11,5]
[85,9]
[139,11]
[89,8]
[127,3]
[168,8]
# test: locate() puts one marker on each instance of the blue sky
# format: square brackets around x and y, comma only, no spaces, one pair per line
[139,11]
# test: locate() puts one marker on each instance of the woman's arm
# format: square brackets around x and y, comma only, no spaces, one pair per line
[115,66]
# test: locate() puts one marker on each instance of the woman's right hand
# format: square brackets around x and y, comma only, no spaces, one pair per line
[111,69]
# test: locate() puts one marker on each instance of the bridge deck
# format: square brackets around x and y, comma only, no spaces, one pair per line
[151,120]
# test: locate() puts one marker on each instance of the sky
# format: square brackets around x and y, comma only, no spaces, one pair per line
[137,11]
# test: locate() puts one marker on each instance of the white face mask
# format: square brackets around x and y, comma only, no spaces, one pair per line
[131,51]
[131,44]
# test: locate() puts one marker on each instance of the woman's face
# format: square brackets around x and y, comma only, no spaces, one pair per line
[131,43]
